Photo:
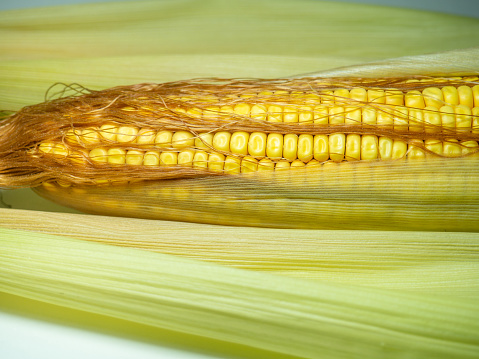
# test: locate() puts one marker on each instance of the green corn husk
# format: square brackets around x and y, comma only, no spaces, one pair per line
[158,41]
[292,316]
[426,262]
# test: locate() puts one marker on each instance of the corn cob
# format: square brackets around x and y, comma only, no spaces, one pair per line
[215,135]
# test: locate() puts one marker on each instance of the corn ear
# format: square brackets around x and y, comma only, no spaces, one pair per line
[300,317]
[392,153]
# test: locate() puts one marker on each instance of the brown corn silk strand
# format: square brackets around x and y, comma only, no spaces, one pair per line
[303,194]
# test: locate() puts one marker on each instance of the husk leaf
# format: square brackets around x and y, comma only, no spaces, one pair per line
[292,316]
[158,41]
[429,262]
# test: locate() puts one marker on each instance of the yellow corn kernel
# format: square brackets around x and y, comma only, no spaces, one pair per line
[475,94]
[73,135]
[195,112]
[232,165]
[182,139]
[290,147]
[265,93]
[116,156]
[275,113]
[290,114]
[221,141]
[466,98]
[151,158]
[416,120]
[448,118]
[399,149]
[353,147]
[369,115]
[414,151]
[414,99]
[469,147]
[297,163]
[433,97]
[463,118]
[146,136]
[249,164]
[216,162]
[330,166]
[369,147]
[394,97]
[327,97]
[358,94]
[211,112]
[376,96]
[282,165]
[204,141]
[352,115]
[384,117]
[248,95]
[242,109]
[451,96]
[321,115]
[50,186]
[265,165]
[127,134]
[134,157]
[312,99]
[432,119]
[60,151]
[109,132]
[434,146]
[163,139]
[274,146]
[313,164]
[239,143]
[321,148]
[257,144]
[385,147]
[400,119]
[337,146]
[185,158]
[90,136]
[200,160]
[336,115]
[227,109]
[46,147]
[341,96]
[305,114]
[99,155]
[78,157]
[451,148]
[305,148]
[168,158]
[259,112]
[64,184]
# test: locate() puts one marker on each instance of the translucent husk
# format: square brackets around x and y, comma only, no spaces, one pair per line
[429,262]
[422,195]
[158,41]
[293,316]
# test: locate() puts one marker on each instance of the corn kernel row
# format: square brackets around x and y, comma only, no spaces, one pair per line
[232,151]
